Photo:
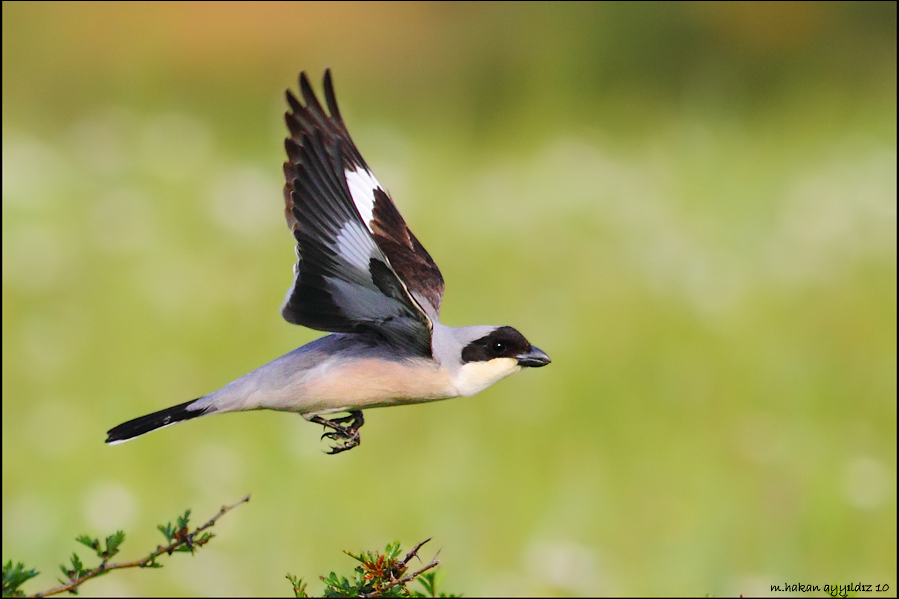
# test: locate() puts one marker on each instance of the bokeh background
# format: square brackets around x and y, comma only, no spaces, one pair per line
[690,206]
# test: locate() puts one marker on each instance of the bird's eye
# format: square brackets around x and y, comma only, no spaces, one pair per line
[498,347]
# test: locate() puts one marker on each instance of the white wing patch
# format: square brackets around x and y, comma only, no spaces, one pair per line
[355,245]
[362,186]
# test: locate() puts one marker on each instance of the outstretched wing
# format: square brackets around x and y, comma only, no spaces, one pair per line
[357,262]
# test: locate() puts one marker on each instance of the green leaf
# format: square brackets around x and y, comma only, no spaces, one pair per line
[77,566]
[428,581]
[203,539]
[392,550]
[89,542]
[166,531]
[14,577]
[299,587]
[112,544]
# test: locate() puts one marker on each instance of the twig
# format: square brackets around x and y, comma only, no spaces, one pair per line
[414,552]
[182,537]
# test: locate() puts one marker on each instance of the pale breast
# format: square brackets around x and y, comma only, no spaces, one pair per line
[373,383]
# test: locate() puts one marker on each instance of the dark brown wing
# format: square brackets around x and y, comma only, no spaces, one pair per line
[407,256]
[344,281]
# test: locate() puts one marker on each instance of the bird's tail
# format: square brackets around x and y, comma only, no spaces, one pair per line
[145,424]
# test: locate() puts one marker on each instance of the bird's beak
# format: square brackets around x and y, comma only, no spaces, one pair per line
[533,358]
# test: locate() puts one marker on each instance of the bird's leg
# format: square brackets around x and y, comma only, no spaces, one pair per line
[355,416]
[349,435]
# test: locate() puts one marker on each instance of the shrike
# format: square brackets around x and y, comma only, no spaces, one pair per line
[364,277]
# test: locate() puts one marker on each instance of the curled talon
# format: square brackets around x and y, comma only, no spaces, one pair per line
[351,443]
[347,437]
[340,434]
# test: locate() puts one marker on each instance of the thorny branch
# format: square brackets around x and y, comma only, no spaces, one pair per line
[182,537]
[409,577]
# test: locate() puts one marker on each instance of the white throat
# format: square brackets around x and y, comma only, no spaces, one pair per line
[474,377]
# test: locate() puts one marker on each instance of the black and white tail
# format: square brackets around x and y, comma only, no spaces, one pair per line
[145,424]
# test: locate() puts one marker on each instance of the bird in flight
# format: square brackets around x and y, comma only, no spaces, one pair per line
[362,276]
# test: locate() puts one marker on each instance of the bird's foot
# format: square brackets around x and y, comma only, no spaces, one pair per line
[346,437]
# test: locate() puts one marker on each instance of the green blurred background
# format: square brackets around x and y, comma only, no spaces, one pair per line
[690,206]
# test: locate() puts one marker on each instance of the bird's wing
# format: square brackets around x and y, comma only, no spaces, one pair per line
[359,268]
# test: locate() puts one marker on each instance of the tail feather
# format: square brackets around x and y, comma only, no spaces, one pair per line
[151,422]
